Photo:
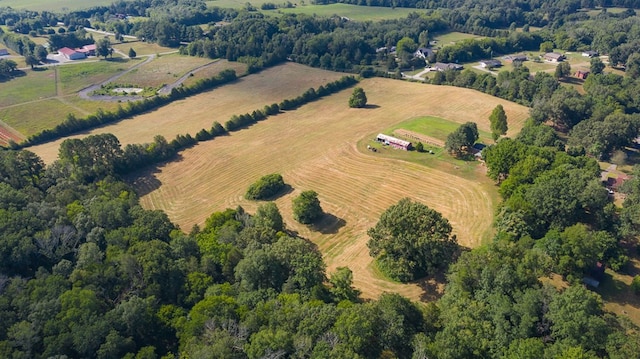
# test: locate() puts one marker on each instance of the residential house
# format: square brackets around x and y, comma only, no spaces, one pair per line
[441,66]
[553,57]
[514,58]
[489,64]
[423,53]
[590,53]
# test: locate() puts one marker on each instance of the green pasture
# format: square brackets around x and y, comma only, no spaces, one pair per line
[448,38]
[353,12]
[434,127]
[32,85]
[165,69]
[32,118]
[75,77]
[54,5]
[141,48]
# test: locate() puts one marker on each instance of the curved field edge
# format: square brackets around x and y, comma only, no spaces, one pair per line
[315,147]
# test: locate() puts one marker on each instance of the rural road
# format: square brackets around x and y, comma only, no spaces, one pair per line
[167,88]
[417,76]
[85,93]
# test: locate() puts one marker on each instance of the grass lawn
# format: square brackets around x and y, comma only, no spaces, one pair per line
[353,12]
[215,69]
[142,48]
[435,127]
[75,77]
[32,85]
[163,70]
[448,38]
[32,118]
[54,5]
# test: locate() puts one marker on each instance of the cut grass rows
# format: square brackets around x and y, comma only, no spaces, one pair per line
[316,147]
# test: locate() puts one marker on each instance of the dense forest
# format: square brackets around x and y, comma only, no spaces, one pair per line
[86,272]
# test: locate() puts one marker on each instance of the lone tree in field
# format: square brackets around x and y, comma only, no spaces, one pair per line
[306,207]
[265,187]
[460,140]
[498,121]
[358,98]
[132,53]
[411,241]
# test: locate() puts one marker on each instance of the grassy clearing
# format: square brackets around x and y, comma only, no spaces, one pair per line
[353,12]
[31,118]
[74,78]
[142,48]
[448,38]
[33,85]
[54,5]
[214,69]
[163,70]
[435,127]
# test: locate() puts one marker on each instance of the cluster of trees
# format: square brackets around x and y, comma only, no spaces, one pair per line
[266,187]
[460,141]
[73,124]
[71,40]
[474,49]
[20,44]
[86,272]
[7,68]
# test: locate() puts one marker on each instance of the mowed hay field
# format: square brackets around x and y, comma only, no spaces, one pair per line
[200,111]
[314,148]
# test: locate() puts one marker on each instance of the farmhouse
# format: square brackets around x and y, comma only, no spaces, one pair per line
[489,64]
[514,58]
[441,66]
[590,53]
[71,54]
[394,142]
[553,57]
[4,52]
[581,74]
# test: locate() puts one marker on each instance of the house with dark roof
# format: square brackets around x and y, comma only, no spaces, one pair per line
[442,66]
[489,64]
[511,58]
[553,57]
[590,53]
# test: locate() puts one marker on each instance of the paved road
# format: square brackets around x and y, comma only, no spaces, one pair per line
[167,88]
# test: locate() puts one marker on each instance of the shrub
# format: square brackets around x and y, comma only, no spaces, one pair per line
[265,187]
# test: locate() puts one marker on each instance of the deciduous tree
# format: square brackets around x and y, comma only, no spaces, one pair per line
[498,121]
[358,98]
[306,207]
[411,241]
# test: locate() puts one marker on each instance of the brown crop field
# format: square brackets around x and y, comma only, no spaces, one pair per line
[200,111]
[315,147]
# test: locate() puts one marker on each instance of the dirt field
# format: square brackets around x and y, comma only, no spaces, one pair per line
[315,148]
[200,111]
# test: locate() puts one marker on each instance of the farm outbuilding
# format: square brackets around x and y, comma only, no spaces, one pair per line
[394,142]
[581,74]
[553,57]
[71,54]
[4,52]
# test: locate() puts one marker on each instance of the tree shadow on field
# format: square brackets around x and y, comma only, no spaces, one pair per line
[283,192]
[370,106]
[145,181]
[328,224]
[432,286]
